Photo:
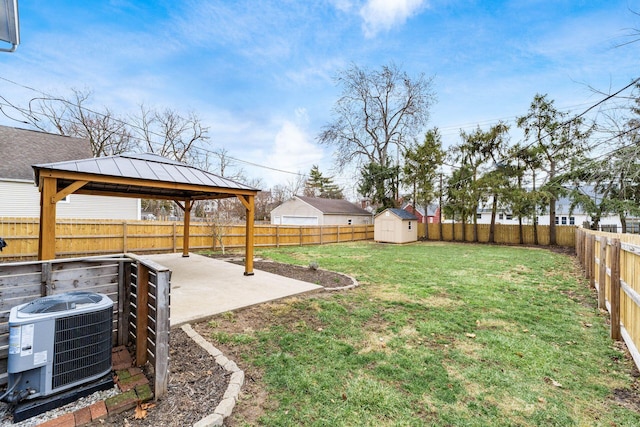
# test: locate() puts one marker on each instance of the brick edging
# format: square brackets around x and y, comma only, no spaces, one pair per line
[230,397]
[134,389]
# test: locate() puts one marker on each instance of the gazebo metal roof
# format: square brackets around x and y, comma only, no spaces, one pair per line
[147,176]
[142,175]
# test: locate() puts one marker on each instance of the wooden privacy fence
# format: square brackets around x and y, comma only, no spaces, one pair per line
[503,234]
[95,237]
[611,262]
[138,287]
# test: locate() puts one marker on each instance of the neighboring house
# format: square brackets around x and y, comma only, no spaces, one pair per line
[564,216]
[430,215]
[21,148]
[319,211]
[395,226]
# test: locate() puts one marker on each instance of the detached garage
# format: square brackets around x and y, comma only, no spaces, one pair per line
[395,226]
[302,210]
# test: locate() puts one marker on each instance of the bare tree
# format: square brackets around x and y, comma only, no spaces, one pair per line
[107,134]
[169,134]
[224,165]
[219,218]
[377,111]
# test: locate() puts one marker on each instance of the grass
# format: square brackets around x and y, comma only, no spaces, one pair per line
[437,335]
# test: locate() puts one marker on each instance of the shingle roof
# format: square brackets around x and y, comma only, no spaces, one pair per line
[21,148]
[334,206]
[401,213]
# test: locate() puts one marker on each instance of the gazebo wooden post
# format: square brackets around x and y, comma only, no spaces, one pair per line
[47,232]
[187,222]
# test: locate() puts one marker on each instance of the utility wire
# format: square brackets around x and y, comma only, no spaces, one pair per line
[140,140]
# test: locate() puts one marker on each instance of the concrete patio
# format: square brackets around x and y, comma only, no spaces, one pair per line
[202,287]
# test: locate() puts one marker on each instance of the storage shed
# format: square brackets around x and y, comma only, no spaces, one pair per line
[395,226]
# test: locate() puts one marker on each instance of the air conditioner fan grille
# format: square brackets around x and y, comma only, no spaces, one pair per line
[82,347]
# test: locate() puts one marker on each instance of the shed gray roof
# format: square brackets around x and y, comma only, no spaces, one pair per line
[400,213]
[334,206]
[21,148]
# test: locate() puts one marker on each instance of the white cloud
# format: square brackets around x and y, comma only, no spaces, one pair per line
[291,151]
[382,15]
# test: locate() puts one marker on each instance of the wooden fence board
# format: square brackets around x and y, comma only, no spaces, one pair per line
[86,237]
[619,262]
[504,234]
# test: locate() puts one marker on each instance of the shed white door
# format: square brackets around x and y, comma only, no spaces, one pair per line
[387,230]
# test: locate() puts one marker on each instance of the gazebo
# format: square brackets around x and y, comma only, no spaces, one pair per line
[147,176]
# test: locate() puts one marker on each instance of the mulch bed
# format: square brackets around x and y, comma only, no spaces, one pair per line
[196,386]
[328,279]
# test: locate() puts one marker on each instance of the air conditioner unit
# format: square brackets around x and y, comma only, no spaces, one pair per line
[59,342]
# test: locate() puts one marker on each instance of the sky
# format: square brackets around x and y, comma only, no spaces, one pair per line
[261,74]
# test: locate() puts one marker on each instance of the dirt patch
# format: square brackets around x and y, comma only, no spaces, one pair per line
[627,398]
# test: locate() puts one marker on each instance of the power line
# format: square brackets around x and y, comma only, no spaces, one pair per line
[202,149]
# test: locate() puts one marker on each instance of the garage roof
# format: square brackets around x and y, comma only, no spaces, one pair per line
[334,206]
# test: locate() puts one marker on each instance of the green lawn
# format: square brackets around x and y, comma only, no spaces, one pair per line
[437,334]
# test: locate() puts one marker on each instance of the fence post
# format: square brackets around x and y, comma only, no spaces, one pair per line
[585,250]
[124,237]
[588,258]
[615,290]
[321,233]
[300,235]
[602,273]
[142,313]
[45,279]
[277,236]
[592,262]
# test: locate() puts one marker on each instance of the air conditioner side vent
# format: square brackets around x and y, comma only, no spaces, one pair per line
[82,346]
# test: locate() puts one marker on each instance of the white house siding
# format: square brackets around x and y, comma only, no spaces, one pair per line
[564,218]
[22,199]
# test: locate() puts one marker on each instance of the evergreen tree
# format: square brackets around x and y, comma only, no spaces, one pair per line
[318,185]
[420,168]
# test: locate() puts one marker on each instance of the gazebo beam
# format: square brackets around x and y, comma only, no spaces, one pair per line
[71,188]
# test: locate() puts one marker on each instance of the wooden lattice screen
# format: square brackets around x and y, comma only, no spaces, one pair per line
[115,276]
